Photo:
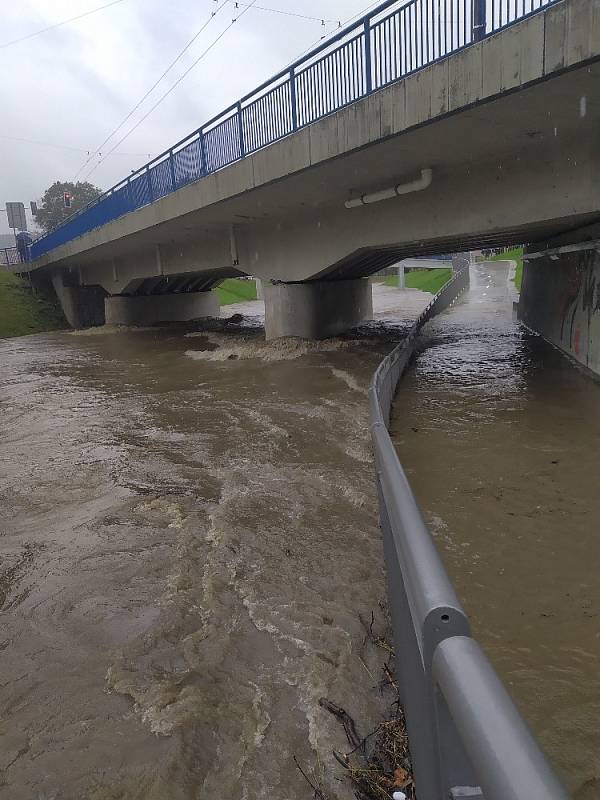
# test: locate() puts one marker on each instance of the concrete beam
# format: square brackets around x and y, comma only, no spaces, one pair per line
[316,310]
[149,309]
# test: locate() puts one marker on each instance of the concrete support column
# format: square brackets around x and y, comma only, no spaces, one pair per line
[401,276]
[148,309]
[316,309]
[83,306]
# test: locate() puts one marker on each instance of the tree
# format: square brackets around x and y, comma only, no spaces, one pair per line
[52,210]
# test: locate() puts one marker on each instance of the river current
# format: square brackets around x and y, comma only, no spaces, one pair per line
[189,542]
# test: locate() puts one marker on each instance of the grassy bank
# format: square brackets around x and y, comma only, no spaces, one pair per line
[235,290]
[22,312]
[427,280]
[513,255]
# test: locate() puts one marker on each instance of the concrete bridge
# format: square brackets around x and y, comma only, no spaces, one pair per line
[407,135]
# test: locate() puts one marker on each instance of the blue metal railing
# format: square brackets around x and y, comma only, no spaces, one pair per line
[392,41]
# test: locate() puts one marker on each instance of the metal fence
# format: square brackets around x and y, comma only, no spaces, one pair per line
[397,38]
[9,256]
[467,739]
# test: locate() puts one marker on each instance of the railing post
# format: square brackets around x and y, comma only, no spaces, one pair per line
[204,169]
[149,182]
[128,195]
[293,99]
[172,169]
[479,20]
[368,69]
[241,130]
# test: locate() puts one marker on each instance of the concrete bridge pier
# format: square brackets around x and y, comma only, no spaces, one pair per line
[316,309]
[83,306]
[149,309]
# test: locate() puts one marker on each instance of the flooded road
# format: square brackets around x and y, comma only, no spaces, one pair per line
[188,535]
[500,437]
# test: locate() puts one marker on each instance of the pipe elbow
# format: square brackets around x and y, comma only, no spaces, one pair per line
[418,185]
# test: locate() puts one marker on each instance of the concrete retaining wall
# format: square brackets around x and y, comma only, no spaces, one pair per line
[560,299]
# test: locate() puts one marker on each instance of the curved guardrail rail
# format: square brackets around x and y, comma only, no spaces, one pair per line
[467,738]
[395,39]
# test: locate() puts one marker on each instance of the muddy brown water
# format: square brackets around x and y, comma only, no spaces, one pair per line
[500,437]
[188,536]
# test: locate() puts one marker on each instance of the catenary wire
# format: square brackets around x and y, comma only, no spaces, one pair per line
[168,92]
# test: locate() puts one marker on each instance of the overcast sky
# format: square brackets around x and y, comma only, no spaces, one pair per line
[70,87]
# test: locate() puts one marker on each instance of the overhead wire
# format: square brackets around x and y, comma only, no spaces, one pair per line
[245,9]
[128,116]
[177,82]
[297,15]
[60,24]
[56,146]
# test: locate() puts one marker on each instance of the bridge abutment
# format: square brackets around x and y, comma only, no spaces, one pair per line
[316,309]
[148,309]
[560,300]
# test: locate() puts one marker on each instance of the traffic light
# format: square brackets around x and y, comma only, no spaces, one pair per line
[67,197]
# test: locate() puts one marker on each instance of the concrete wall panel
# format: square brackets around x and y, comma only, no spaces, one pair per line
[492,51]
[466,77]
[439,88]
[511,58]
[560,299]
[324,139]
[579,29]
[397,99]
[555,39]
[418,98]
[532,49]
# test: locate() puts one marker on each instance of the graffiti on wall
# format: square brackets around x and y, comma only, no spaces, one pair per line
[580,300]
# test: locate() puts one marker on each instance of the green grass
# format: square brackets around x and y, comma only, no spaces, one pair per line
[513,255]
[427,280]
[22,312]
[234,290]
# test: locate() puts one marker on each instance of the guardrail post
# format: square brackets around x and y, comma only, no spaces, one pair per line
[293,99]
[479,20]
[368,68]
[241,130]
[172,169]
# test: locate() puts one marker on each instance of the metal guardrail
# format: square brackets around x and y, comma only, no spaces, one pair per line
[467,738]
[397,38]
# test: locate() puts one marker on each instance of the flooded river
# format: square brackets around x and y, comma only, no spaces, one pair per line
[500,436]
[188,536]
